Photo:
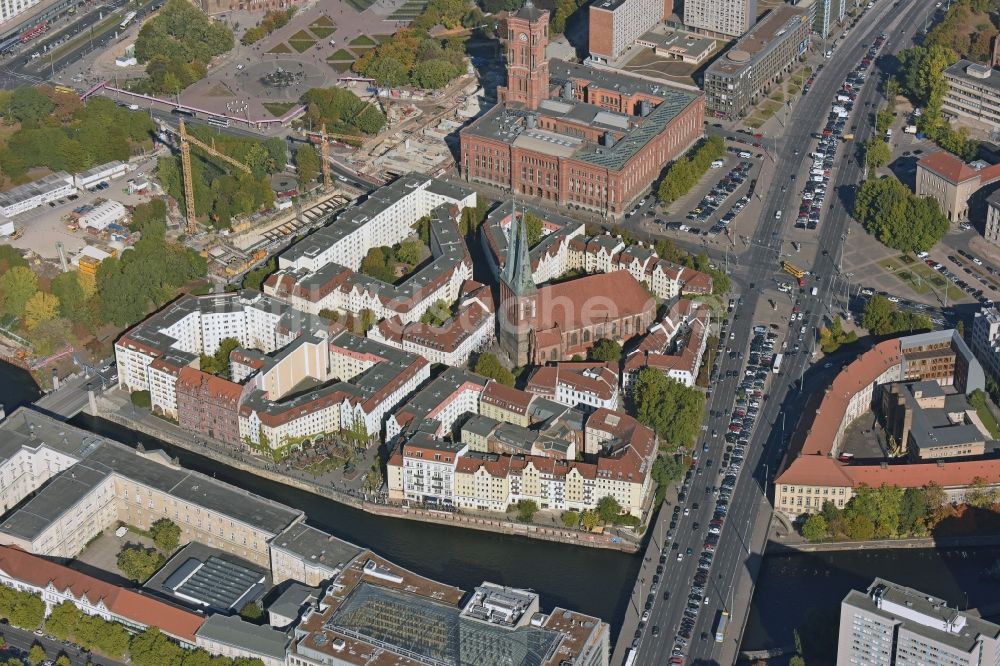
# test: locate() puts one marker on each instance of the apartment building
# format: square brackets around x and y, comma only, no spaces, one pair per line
[720,18]
[57,584]
[985,339]
[892,624]
[471,328]
[675,345]
[813,474]
[615,25]
[441,402]
[321,271]
[308,555]
[515,445]
[745,73]
[973,92]
[588,386]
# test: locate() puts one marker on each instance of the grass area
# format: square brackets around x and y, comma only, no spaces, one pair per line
[340,66]
[381,39]
[792,90]
[280,48]
[921,278]
[323,21]
[341,54]
[278,109]
[408,11]
[753,122]
[361,5]
[363,40]
[301,36]
[358,51]
[321,33]
[301,45]
[778,96]
[990,421]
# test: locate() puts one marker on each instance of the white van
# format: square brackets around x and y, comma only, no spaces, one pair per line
[777,214]
[744,154]
[815,291]
[717,164]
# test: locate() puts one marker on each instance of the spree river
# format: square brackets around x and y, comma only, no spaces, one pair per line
[589,580]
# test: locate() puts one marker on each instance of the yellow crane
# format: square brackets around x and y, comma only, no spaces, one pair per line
[186,140]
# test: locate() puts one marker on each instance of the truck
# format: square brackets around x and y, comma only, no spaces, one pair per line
[910,129]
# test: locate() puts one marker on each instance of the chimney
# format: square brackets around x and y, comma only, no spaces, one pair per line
[532,121]
[567,90]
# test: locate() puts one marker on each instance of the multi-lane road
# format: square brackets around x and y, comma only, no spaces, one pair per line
[740,547]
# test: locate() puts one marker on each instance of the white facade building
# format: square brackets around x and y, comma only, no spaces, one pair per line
[104,214]
[37,193]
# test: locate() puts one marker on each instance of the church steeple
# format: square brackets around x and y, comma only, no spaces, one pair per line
[517,269]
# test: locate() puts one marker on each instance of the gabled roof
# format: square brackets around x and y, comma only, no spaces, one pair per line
[133,606]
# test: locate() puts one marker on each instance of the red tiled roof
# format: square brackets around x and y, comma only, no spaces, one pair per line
[947,166]
[591,299]
[508,398]
[122,602]
[190,378]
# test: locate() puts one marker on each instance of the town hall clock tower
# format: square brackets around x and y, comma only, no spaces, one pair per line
[527,67]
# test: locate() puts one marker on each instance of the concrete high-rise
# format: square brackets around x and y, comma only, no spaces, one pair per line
[894,625]
[721,18]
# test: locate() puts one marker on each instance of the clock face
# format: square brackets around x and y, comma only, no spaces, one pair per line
[523,37]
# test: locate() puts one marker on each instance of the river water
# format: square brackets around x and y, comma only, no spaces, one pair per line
[792,585]
[589,580]
[586,579]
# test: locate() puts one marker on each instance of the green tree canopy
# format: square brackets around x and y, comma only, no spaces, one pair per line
[307,162]
[682,175]
[488,365]
[897,217]
[877,153]
[606,350]
[570,519]
[17,286]
[608,509]
[166,534]
[138,563]
[814,529]
[671,409]
[526,510]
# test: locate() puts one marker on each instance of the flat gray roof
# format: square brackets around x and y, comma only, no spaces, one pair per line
[236,632]
[56,498]
[316,547]
[290,602]
[774,29]
[960,70]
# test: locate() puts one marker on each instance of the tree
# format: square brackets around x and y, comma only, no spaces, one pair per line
[166,534]
[251,612]
[29,106]
[367,319]
[860,528]
[913,512]
[877,153]
[218,363]
[815,528]
[897,217]
[152,648]
[877,315]
[10,257]
[307,161]
[533,227]
[682,175]
[63,621]
[36,655]
[42,306]
[796,660]
[488,365]
[606,350]
[17,286]
[526,510]
[590,520]
[980,494]
[72,299]
[883,121]
[22,609]
[608,509]
[63,660]
[409,251]
[437,314]
[138,563]
[673,410]
[141,399]
[571,519]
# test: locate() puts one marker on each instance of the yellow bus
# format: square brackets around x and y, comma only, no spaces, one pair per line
[792,269]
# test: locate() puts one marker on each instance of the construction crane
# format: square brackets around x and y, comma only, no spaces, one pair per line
[325,149]
[185,141]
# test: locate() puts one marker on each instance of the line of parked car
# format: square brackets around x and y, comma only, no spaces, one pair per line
[722,191]
[970,289]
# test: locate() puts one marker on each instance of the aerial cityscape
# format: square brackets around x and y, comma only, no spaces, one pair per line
[499,332]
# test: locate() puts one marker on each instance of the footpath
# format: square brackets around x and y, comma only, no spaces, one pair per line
[335,487]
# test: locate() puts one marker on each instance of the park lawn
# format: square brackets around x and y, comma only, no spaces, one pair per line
[778,96]
[278,109]
[323,21]
[323,466]
[301,36]
[361,5]
[280,48]
[301,46]
[320,32]
[363,40]
[341,54]
[381,39]
[340,66]
[754,122]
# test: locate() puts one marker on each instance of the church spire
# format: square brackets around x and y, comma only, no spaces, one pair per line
[517,268]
